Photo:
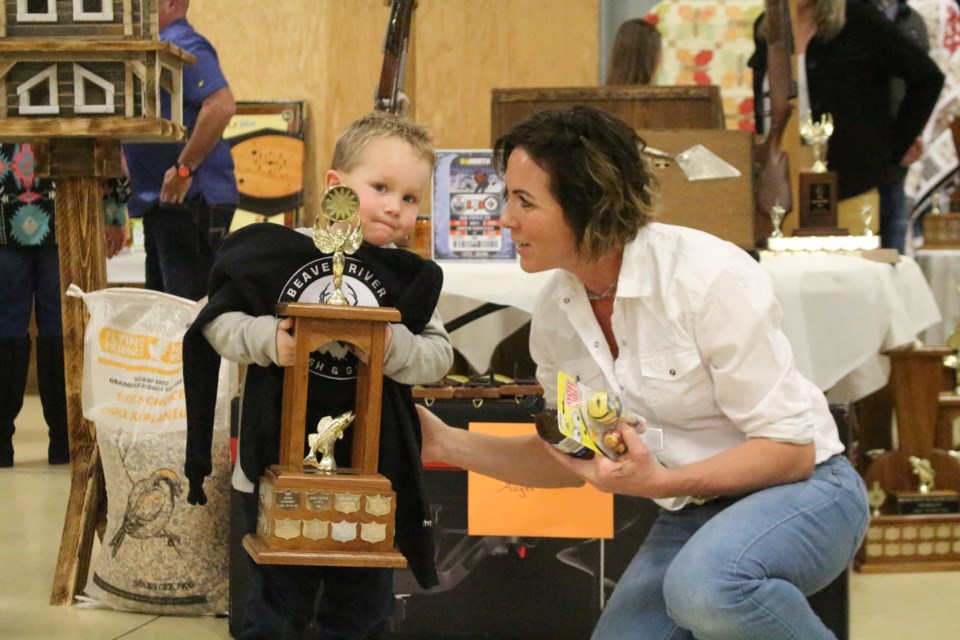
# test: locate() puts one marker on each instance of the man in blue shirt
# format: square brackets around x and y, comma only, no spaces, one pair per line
[186,194]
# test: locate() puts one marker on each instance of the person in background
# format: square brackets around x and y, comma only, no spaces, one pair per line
[759,506]
[388,161]
[847,55]
[636,53]
[894,208]
[30,281]
[186,193]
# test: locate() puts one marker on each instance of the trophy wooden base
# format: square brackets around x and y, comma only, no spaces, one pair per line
[897,544]
[942,231]
[341,519]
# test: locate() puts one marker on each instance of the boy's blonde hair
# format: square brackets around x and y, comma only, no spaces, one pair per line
[375,125]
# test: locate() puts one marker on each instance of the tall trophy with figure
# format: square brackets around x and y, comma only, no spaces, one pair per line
[818,185]
[313,512]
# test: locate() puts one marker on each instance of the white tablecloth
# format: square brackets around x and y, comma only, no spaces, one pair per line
[840,312]
[942,270]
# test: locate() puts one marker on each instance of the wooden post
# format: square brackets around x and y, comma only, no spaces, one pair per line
[79,166]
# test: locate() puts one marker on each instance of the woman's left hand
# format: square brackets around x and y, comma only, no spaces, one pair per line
[636,472]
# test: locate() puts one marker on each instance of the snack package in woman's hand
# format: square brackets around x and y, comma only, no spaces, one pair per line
[597,419]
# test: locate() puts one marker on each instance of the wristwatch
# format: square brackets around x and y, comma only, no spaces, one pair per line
[184,170]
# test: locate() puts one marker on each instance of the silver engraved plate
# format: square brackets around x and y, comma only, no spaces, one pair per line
[373,532]
[316,529]
[319,501]
[288,500]
[286,528]
[347,502]
[378,505]
[344,531]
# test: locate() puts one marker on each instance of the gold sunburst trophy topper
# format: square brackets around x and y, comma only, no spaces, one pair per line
[337,230]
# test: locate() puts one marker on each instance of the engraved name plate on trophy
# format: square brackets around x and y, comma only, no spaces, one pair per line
[818,185]
[312,511]
[927,499]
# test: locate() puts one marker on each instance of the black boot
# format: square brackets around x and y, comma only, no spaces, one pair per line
[14,360]
[53,396]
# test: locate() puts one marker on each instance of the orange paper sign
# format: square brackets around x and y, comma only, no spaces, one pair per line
[497,508]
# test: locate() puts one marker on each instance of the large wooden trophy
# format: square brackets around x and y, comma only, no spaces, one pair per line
[914,489]
[311,511]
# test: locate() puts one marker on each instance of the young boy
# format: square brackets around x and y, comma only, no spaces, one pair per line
[388,161]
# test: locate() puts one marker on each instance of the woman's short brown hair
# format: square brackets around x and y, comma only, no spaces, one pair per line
[596,169]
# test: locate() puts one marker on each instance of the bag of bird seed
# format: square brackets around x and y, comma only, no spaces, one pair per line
[158,553]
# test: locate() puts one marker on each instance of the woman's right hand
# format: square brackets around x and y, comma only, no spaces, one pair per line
[432,429]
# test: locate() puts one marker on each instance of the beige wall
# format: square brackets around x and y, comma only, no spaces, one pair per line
[328,52]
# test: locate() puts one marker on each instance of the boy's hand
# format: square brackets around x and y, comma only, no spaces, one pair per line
[285,343]
[386,344]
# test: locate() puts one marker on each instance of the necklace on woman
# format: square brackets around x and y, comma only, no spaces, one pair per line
[606,293]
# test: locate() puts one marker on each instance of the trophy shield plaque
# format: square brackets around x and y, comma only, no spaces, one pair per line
[818,185]
[311,511]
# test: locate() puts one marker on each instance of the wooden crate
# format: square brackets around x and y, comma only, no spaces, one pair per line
[722,207]
[644,107]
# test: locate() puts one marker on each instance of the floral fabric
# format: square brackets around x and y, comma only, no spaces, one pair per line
[708,42]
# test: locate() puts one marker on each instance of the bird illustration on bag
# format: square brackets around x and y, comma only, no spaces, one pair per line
[149,507]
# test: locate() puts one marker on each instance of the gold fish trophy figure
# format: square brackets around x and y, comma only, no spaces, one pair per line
[337,230]
[329,430]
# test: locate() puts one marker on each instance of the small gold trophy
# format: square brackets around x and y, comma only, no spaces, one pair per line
[818,185]
[876,497]
[776,219]
[341,234]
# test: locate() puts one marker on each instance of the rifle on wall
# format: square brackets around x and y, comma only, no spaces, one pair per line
[389,96]
[773,180]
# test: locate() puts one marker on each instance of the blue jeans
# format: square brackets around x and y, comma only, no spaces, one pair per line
[742,568]
[894,217]
[29,276]
[181,242]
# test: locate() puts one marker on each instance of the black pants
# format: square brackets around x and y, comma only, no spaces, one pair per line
[319,603]
[181,242]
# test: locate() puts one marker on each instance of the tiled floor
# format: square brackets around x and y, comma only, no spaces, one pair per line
[33,499]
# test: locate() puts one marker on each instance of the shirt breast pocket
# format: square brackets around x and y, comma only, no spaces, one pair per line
[676,384]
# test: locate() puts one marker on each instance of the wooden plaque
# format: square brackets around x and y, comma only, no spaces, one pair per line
[818,200]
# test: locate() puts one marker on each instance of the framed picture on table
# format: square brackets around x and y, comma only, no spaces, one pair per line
[468,198]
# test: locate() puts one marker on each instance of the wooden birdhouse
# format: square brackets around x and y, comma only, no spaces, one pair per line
[87,68]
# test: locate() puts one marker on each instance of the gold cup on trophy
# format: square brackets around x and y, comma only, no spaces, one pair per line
[337,230]
[818,185]
[817,134]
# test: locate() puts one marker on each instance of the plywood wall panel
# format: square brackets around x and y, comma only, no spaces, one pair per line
[329,53]
[466,48]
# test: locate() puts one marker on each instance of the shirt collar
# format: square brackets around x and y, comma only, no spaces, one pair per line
[634,278]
